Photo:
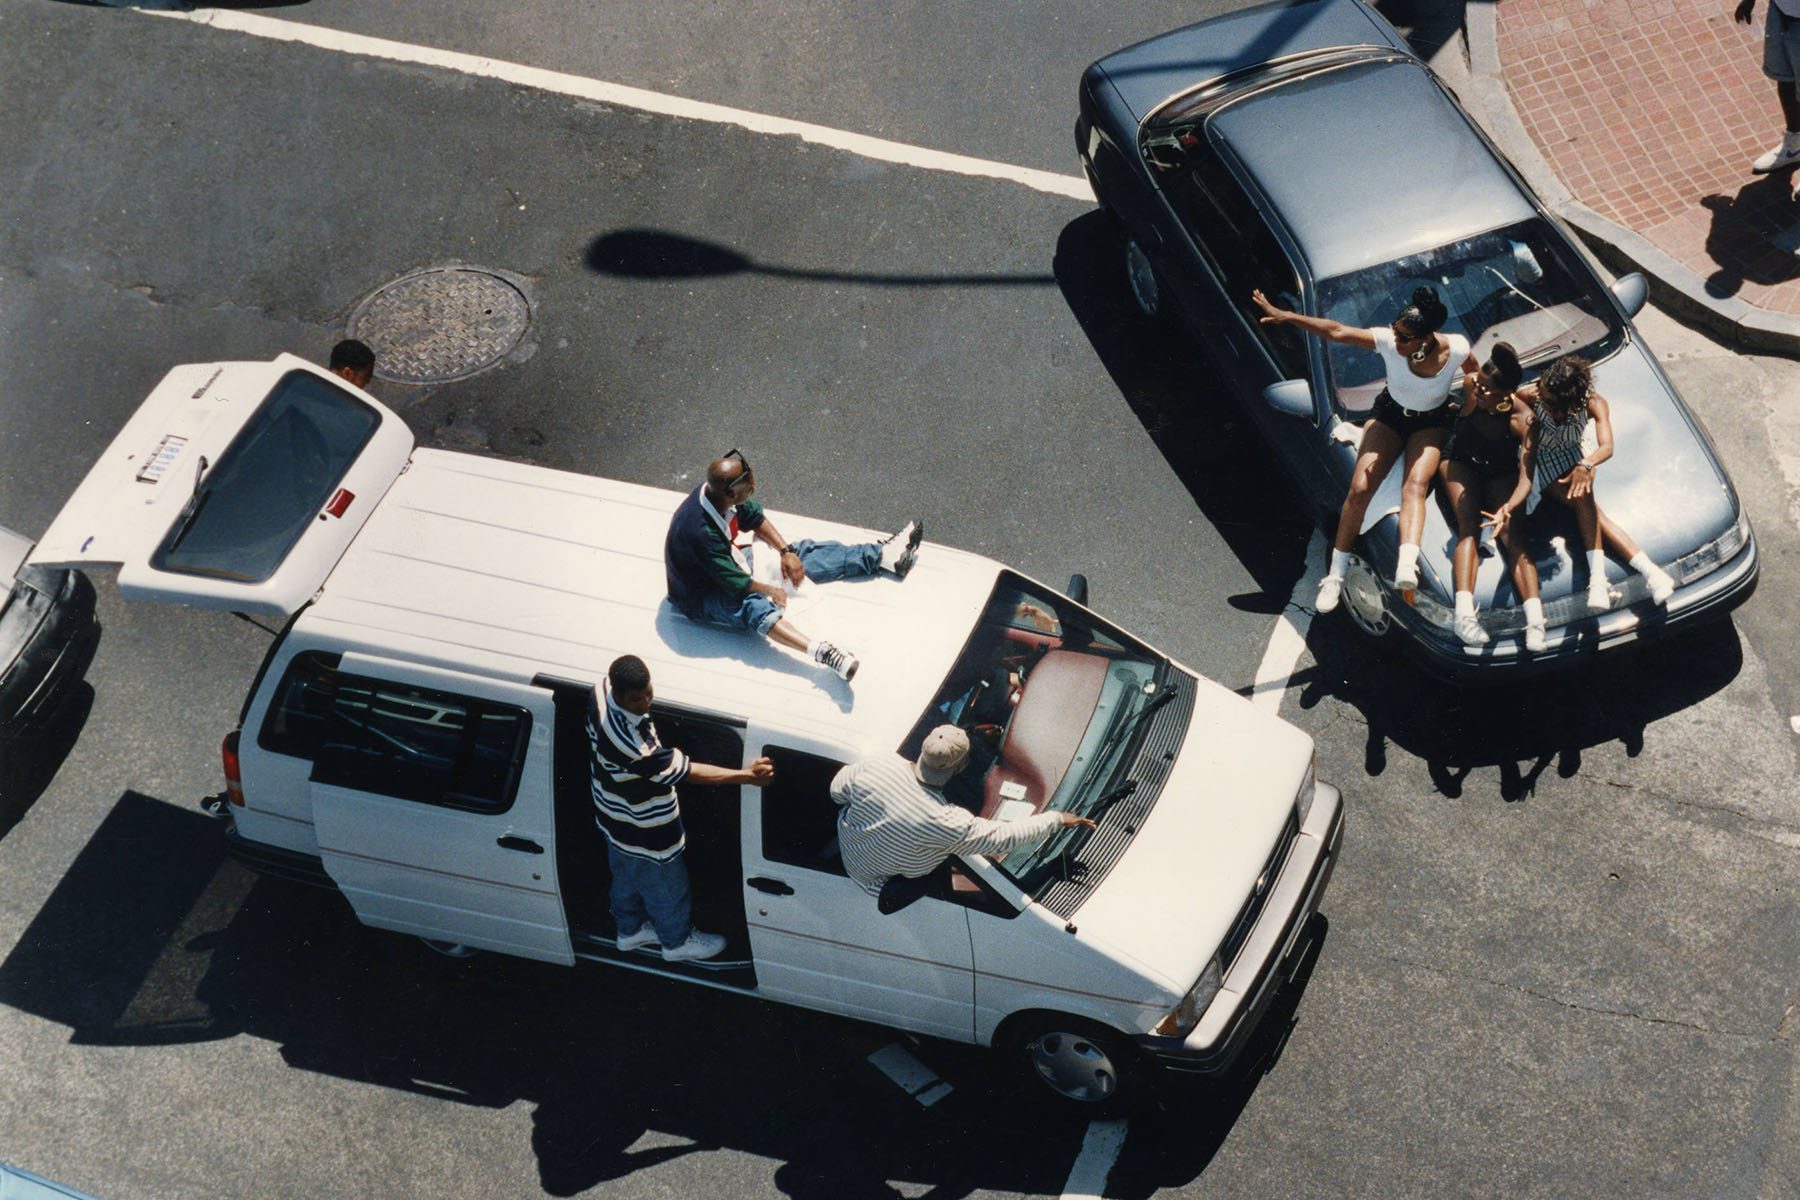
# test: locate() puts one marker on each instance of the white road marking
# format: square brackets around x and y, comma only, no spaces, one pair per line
[1099,1151]
[914,1077]
[1072,186]
[1288,641]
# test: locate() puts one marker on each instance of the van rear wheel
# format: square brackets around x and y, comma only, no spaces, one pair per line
[449,949]
[1075,1063]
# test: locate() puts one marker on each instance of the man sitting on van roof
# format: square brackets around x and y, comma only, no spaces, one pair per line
[893,817]
[709,573]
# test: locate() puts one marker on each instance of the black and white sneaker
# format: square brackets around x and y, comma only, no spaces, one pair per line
[899,551]
[842,662]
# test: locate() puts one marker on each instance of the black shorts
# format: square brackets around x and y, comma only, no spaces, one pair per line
[1406,422]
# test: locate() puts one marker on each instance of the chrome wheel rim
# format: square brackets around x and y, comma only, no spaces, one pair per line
[1362,596]
[1142,276]
[1073,1066]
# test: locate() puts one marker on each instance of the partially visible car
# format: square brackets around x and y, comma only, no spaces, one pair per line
[1303,149]
[16,1183]
[47,635]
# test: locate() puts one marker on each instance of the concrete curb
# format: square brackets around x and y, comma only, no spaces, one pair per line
[1674,285]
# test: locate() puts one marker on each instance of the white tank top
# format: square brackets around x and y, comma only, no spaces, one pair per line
[1418,393]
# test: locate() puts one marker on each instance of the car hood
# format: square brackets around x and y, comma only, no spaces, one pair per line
[1156,70]
[1662,485]
[1174,894]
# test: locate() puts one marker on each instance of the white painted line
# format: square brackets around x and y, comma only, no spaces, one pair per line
[1288,641]
[1072,186]
[914,1077]
[1099,1151]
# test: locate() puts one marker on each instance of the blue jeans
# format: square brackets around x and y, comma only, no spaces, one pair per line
[645,888]
[825,562]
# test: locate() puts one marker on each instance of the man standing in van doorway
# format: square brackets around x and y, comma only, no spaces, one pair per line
[634,778]
[709,576]
[353,360]
[893,817]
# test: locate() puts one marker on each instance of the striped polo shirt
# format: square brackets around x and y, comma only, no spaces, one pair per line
[891,824]
[633,779]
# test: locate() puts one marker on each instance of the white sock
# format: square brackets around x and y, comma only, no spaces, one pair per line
[1641,563]
[1340,563]
[1465,604]
[1408,558]
[1534,611]
[812,649]
[1596,566]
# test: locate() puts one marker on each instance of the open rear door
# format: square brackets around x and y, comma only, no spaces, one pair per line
[234,486]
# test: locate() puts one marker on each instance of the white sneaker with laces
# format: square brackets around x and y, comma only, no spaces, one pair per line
[698,945]
[1406,577]
[899,551]
[1662,585]
[1534,638]
[842,662]
[645,936]
[1468,628]
[1599,596]
[1779,157]
[1331,590]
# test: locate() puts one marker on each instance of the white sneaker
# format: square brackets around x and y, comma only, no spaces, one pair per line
[645,936]
[841,661]
[1331,590]
[698,945]
[1599,596]
[1784,155]
[899,551]
[1468,628]
[1406,578]
[1662,586]
[1534,638]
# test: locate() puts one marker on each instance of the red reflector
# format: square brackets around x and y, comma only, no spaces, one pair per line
[340,503]
[234,780]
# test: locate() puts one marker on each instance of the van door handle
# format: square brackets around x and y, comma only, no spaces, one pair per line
[509,842]
[772,886]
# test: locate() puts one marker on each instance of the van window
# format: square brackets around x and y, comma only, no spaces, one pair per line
[799,818]
[295,723]
[249,508]
[417,743]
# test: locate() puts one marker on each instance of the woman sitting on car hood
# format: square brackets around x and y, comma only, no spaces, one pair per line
[1411,417]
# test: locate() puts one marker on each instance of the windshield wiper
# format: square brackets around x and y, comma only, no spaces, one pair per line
[189,514]
[1111,798]
[1136,720]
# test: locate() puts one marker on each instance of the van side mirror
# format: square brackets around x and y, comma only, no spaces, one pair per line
[1632,291]
[1290,398]
[1077,589]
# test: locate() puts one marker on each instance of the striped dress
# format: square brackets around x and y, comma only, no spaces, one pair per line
[633,778]
[891,824]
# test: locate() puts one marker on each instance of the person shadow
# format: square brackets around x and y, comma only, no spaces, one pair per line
[1753,236]
[690,641]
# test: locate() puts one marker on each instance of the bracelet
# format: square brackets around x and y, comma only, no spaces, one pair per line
[789,549]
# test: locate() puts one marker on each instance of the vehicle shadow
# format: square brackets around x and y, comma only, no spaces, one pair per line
[1518,730]
[29,762]
[660,254]
[1172,388]
[624,1070]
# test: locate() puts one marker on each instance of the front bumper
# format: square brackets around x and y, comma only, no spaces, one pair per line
[1268,958]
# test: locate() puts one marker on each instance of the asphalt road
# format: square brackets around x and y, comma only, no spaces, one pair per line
[1560,957]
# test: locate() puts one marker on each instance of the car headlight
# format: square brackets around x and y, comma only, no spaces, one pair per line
[1308,786]
[1181,1022]
[1714,554]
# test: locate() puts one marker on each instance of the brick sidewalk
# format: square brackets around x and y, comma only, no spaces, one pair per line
[1650,112]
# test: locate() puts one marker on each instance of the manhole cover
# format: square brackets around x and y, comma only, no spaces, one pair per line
[439,325]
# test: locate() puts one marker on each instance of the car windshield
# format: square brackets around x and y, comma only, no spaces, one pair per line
[1521,284]
[249,508]
[1052,700]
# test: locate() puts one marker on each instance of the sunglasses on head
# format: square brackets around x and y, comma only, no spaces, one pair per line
[743,475]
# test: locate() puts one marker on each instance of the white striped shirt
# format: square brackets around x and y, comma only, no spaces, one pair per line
[891,824]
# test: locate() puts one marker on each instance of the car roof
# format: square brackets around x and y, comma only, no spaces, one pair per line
[1368,162]
[491,567]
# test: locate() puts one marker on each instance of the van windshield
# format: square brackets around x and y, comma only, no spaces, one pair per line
[250,508]
[1057,706]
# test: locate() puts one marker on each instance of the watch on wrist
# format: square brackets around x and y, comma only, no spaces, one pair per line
[785,550]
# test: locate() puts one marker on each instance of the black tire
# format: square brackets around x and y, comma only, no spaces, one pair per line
[1075,1064]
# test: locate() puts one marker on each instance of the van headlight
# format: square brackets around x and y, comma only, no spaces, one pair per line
[1309,784]
[1181,1022]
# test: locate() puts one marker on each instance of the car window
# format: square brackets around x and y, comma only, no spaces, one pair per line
[414,743]
[250,508]
[799,818]
[1240,248]
[295,722]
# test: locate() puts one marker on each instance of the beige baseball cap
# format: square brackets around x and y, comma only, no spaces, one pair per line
[945,750]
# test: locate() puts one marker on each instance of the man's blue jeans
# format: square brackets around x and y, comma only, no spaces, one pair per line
[825,562]
[643,888]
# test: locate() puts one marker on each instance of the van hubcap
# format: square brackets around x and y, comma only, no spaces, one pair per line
[1073,1066]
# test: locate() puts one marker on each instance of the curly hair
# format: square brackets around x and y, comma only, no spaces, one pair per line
[1426,313]
[1567,382]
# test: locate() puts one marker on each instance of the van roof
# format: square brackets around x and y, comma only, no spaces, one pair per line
[485,566]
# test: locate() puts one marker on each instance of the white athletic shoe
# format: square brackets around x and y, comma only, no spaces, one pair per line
[1662,586]
[1406,578]
[1469,629]
[841,661]
[645,936]
[1331,590]
[1779,157]
[1534,638]
[899,551]
[698,945]
[1599,596]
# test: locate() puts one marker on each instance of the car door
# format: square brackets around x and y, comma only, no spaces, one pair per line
[817,936]
[432,802]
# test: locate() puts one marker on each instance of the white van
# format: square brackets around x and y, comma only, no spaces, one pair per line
[415,738]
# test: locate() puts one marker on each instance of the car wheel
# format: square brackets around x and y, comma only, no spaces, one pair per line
[449,949]
[1364,601]
[1146,288]
[1076,1064]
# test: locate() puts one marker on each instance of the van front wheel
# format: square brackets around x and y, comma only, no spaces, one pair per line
[1076,1063]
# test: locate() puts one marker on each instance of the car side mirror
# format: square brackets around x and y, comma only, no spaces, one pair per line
[1077,589]
[1632,291]
[1290,397]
